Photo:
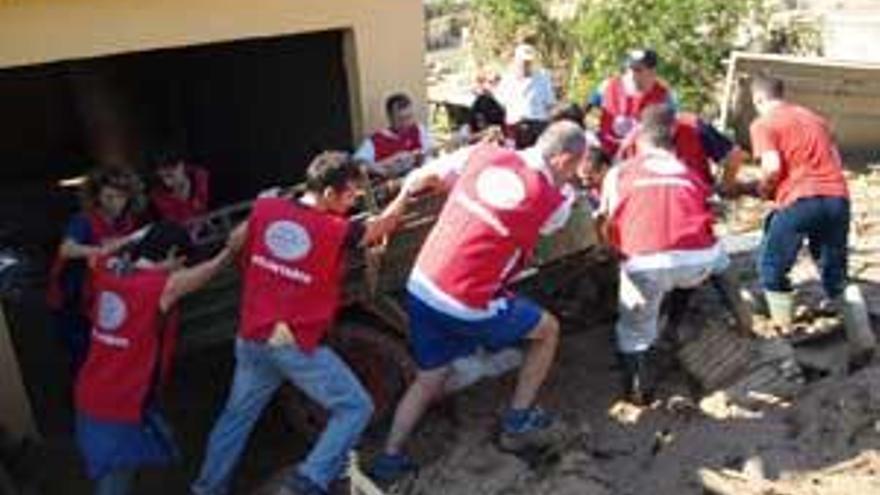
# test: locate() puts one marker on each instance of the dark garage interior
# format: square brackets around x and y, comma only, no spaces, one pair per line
[252,112]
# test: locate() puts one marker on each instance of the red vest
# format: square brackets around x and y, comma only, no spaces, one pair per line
[621,111]
[132,345]
[660,212]
[175,209]
[102,230]
[688,146]
[292,267]
[488,227]
[387,143]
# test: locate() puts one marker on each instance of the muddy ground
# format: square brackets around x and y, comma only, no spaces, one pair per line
[825,441]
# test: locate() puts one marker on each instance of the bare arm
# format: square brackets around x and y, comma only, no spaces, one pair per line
[731,169]
[237,238]
[379,226]
[771,167]
[189,280]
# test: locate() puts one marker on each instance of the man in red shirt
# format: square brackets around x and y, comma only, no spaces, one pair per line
[623,98]
[802,174]
[401,146]
[182,191]
[292,257]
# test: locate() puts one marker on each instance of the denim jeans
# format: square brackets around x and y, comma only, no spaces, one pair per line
[260,369]
[118,482]
[824,223]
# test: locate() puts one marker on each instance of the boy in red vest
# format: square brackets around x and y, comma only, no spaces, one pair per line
[292,256]
[101,229]
[183,190]
[621,99]
[803,175]
[400,147]
[660,223]
[119,428]
[500,202]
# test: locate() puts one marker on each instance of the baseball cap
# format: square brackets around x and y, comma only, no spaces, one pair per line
[524,53]
[645,57]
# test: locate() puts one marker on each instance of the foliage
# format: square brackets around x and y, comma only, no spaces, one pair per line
[692,37]
[498,25]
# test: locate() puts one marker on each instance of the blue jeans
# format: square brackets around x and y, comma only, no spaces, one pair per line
[118,482]
[824,223]
[260,369]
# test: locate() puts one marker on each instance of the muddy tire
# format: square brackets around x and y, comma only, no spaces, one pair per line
[382,363]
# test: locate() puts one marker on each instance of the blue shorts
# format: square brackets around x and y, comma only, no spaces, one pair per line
[437,339]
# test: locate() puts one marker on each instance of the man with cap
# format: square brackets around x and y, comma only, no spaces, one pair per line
[622,98]
[527,95]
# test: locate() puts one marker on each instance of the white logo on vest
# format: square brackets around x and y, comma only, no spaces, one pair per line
[500,188]
[288,240]
[111,311]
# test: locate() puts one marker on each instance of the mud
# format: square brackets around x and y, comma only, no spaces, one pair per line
[822,439]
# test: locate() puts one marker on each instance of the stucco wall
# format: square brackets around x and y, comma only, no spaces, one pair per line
[386,43]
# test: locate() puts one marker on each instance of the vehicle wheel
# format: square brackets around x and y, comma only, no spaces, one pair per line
[381,362]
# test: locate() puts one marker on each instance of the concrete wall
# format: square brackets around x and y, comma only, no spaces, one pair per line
[386,49]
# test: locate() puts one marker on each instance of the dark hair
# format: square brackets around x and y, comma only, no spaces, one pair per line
[571,112]
[116,178]
[333,169]
[166,157]
[767,85]
[598,158]
[161,239]
[491,110]
[657,125]
[396,102]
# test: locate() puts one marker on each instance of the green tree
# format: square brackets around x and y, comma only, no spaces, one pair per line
[692,37]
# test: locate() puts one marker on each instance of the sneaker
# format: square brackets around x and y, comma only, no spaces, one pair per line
[529,429]
[298,484]
[388,468]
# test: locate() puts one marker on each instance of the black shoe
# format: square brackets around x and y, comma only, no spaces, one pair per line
[637,384]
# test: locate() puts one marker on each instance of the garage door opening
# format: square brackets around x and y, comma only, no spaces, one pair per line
[253,112]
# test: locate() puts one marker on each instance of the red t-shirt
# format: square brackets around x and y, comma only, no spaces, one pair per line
[810,162]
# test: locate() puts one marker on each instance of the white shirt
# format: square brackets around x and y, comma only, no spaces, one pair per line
[367,152]
[529,98]
[661,162]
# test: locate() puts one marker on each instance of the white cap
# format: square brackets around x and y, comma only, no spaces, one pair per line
[524,53]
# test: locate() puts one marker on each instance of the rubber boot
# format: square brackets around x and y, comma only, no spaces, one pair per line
[781,308]
[851,304]
[637,384]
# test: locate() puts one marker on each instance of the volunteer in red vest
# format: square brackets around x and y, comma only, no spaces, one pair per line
[698,144]
[500,202]
[292,256]
[101,229]
[660,224]
[182,192]
[803,175]
[401,146]
[621,99]
[119,427]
